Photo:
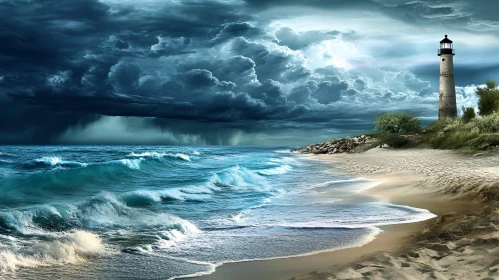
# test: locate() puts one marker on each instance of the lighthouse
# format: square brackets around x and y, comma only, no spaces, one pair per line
[447,108]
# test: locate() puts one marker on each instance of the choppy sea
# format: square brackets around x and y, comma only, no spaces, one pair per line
[155,212]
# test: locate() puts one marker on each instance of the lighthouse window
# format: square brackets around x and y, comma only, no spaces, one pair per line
[443,59]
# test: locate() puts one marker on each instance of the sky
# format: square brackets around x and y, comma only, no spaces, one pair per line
[230,72]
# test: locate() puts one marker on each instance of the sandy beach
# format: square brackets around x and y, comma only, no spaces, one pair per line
[461,243]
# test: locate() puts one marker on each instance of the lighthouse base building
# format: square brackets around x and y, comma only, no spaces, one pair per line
[447,108]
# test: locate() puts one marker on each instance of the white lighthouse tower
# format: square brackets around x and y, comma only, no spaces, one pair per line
[447,108]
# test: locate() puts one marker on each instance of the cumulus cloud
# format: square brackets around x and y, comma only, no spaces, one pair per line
[82,67]
[295,41]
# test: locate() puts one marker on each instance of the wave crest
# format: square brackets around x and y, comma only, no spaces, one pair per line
[276,170]
[57,161]
[240,178]
[157,155]
[67,248]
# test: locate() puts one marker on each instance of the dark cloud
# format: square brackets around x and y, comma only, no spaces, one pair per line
[329,91]
[294,40]
[220,65]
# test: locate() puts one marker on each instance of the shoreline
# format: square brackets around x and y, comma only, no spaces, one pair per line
[416,188]
[388,240]
[461,243]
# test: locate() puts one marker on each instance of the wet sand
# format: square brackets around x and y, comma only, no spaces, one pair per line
[463,197]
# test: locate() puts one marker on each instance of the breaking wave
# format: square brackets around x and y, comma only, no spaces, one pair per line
[64,205]
[276,170]
[60,224]
[157,155]
[56,161]
[70,247]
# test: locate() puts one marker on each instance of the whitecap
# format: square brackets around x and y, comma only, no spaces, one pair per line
[71,247]
[239,177]
[50,160]
[57,161]
[131,163]
[276,170]
[157,155]
[282,151]
[238,217]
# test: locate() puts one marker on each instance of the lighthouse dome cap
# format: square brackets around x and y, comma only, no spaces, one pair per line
[445,40]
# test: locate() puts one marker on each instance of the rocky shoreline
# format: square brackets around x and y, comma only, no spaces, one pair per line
[337,146]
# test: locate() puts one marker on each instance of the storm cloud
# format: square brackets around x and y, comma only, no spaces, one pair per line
[228,72]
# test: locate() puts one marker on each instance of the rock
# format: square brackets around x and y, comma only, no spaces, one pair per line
[335,146]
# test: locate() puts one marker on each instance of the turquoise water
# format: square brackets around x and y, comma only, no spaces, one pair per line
[87,212]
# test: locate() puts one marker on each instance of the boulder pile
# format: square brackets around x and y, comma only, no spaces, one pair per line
[336,146]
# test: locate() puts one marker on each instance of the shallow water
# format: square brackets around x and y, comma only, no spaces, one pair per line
[162,212]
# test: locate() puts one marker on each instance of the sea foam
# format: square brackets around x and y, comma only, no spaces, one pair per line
[57,161]
[71,247]
[276,170]
[157,155]
[131,163]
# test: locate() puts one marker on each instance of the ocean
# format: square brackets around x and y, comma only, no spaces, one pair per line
[156,212]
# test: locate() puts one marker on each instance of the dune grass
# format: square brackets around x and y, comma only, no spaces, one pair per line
[480,133]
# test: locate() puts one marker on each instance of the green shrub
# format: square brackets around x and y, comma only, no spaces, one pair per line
[488,102]
[485,141]
[394,140]
[488,124]
[452,140]
[468,114]
[479,133]
[437,126]
[397,123]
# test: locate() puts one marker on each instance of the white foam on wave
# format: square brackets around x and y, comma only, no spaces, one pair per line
[49,160]
[282,151]
[418,215]
[208,188]
[400,215]
[283,160]
[276,170]
[106,210]
[183,156]
[211,266]
[174,237]
[23,221]
[239,177]
[264,203]
[131,163]
[238,217]
[193,193]
[72,247]
[157,155]
[57,161]
[374,231]
[327,183]
[181,194]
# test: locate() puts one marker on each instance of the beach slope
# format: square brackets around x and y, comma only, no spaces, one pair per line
[461,243]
